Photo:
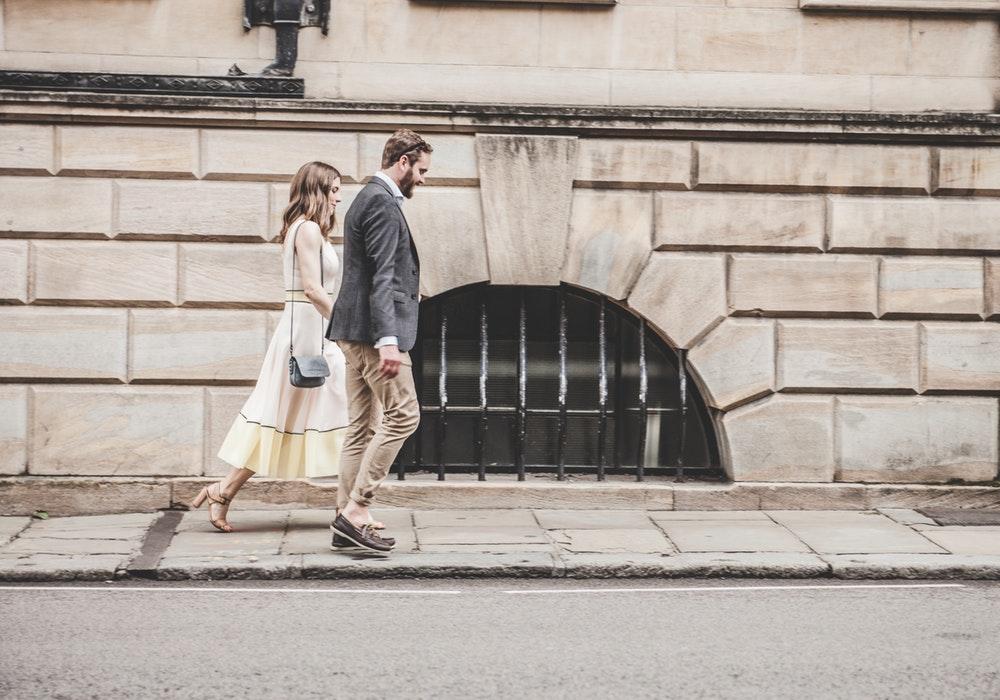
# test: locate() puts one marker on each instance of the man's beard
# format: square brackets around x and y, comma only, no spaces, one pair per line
[406,185]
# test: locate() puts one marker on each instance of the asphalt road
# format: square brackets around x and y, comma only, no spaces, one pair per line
[478,639]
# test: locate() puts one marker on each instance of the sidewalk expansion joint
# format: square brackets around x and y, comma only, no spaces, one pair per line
[157,539]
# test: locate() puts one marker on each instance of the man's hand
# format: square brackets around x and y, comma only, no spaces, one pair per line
[390,359]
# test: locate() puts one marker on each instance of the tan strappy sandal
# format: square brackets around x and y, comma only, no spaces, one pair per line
[223,502]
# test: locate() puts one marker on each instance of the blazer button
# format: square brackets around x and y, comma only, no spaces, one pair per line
[413,296]
[414,271]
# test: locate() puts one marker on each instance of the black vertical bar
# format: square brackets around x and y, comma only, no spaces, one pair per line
[522,386]
[682,376]
[484,359]
[443,393]
[620,408]
[563,386]
[641,461]
[602,387]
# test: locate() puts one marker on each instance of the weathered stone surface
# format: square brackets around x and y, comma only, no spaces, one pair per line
[969,171]
[194,344]
[57,545]
[609,240]
[933,39]
[847,355]
[683,294]
[127,432]
[892,93]
[992,288]
[187,210]
[645,36]
[856,44]
[810,496]
[756,222]
[813,167]
[520,564]
[930,286]
[526,188]
[731,536]
[735,362]
[447,227]
[643,541]
[645,163]
[13,271]
[847,532]
[961,356]
[916,439]
[10,527]
[593,519]
[230,273]
[698,515]
[730,39]
[453,161]
[60,568]
[274,154]
[64,495]
[966,540]
[480,535]
[223,406]
[26,149]
[48,205]
[51,343]
[13,429]
[913,566]
[486,517]
[782,438]
[105,272]
[146,151]
[782,285]
[914,225]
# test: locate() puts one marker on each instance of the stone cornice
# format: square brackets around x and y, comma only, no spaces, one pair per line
[938,6]
[91,108]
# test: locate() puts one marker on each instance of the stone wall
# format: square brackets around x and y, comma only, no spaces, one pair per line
[839,298]
[692,53]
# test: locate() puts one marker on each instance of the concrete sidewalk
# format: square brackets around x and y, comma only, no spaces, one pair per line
[278,544]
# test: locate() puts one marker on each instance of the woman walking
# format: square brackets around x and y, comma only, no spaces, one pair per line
[284,431]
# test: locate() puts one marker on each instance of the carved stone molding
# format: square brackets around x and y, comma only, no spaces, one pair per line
[135,83]
[945,6]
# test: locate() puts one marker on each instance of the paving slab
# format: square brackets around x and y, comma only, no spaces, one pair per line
[914,566]
[972,539]
[672,515]
[10,527]
[82,522]
[480,535]
[731,536]
[45,567]
[906,516]
[428,565]
[642,541]
[830,532]
[51,545]
[593,519]
[486,548]
[243,567]
[475,518]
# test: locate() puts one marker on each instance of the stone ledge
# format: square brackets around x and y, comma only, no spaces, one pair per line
[23,495]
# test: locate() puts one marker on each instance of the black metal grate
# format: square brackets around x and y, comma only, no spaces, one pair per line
[551,379]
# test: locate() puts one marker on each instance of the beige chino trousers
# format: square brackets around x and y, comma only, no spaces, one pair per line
[367,455]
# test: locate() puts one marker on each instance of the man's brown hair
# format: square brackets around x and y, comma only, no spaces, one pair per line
[404,142]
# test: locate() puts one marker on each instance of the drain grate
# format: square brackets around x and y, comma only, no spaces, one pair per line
[958,516]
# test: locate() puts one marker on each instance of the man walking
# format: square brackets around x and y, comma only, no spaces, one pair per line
[375,324]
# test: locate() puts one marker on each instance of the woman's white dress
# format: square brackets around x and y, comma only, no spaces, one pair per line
[283,431]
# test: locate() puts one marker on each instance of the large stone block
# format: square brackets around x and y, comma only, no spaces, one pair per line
[573,39]
[196,345]
[231,274]
[527,188]
[914,225]
[735,362]
[130,151]
[683,294]
[609,240]
[862,45]
[916,439]
[930,286]
[993,288]
[961,357]
[50,343]
[778,222]
[644,37]
[782,438]
[223,405]
[117,432]
[13,271]
[452,163]
[933,40]
[272,154]
[813,167]
[634,163]
[211,210]
[60,206]
[817,355]
[831,285]
[969,171]
[897,93]
[730,39]
[13,429]
[447,226]
[26,149]
[110,272]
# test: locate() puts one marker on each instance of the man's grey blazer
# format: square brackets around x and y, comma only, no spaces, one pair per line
[380,290]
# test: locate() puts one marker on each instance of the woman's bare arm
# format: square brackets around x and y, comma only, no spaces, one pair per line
[308,241]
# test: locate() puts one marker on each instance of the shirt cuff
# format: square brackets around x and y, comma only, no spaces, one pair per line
[387,340]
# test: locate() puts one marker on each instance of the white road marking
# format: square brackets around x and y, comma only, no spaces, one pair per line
[688,589]
[220,589]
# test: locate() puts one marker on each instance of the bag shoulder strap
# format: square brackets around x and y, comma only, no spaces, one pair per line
[322,282]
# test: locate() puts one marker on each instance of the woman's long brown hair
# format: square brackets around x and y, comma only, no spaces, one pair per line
[308,196]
